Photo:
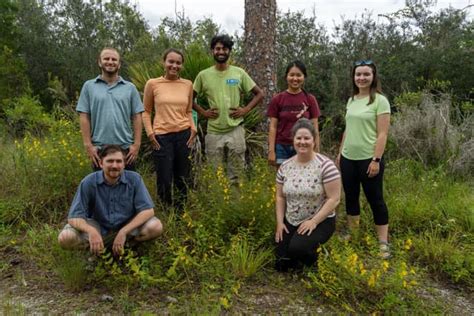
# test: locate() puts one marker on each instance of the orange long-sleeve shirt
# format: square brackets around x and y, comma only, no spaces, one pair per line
[172,101]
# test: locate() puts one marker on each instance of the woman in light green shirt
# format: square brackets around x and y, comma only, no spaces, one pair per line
[361,153]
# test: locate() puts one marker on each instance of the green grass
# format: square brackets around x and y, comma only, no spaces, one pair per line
[218,251]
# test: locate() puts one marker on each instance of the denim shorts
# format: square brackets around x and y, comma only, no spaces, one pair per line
[284,152]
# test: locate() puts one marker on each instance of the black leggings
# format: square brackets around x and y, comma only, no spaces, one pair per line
[295,248]
[354,173]
[172,166]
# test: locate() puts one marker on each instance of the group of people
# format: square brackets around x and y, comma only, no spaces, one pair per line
[112,205]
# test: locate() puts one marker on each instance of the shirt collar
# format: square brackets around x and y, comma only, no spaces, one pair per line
[120,79]
[100,179]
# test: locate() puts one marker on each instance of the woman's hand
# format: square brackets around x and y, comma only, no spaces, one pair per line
[373,169]
[279,232]
[154,142]
[192,137]
[307,227]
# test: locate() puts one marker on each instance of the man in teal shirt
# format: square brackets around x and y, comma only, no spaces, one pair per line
[223,86]
[107,106]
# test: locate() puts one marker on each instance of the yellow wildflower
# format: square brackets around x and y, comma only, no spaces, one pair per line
[408,244]
[224,302]
[372,280]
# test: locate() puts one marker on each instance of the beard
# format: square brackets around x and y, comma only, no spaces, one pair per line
[221,59]
[109,72]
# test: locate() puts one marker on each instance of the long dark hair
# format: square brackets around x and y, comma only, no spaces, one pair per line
[375,86]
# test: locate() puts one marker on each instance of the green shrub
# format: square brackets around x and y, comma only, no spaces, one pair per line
[450,256]
[354,277]
[247,259]
[41,175]
[25,115]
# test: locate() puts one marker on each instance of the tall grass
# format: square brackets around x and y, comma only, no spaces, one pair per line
[223,238]
[40,175]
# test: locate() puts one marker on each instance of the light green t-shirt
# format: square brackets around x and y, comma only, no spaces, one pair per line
[361,126]
[223,90]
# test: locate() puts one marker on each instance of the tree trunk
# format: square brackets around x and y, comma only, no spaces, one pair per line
[260,46]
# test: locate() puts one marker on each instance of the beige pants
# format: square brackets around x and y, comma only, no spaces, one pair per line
[234,159]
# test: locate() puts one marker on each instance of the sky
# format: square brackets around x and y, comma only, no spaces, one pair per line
[229,14]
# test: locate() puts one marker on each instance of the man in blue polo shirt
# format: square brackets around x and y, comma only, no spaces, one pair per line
[110,205]
[107,107]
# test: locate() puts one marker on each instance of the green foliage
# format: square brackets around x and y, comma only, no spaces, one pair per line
[25,115]
[419,199]
[69,266]
[353,276]
[10,307]
[222,240]
[448,255]
[13,78]
[246,260]
[408,99]
[195,60]
[69,35]
[437,210]
[53,166]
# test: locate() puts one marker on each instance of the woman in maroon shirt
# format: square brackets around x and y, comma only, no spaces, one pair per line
[285,109]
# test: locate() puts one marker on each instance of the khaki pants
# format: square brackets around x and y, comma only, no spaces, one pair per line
[234,161]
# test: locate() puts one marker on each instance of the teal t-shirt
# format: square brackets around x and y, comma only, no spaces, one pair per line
[223,90]
[110,108]
[361,126]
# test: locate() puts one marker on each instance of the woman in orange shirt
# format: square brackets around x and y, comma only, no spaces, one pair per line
[173,131]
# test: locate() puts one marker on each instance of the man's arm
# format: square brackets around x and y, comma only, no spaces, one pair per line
[95,238]
[209,113]
[257,98]
[137,138]
[85,125]
[137,221]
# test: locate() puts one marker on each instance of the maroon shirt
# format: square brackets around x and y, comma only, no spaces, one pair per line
[285,107]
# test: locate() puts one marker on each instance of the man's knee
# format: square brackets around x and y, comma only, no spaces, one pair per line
[69,239]
[152,229]
[155,228]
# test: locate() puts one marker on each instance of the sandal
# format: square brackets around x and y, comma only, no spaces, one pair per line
[385,250]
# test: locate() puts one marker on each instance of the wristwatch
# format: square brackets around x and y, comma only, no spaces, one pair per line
[376,159]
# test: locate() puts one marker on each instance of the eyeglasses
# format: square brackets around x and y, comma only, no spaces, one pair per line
[363,62]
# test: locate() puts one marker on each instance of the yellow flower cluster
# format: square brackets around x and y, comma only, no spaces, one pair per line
[64,148]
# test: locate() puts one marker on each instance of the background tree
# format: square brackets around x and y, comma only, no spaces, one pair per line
[260,44]
[13,80]
[62,39]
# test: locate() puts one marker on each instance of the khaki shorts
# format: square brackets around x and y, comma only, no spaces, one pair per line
[109,238]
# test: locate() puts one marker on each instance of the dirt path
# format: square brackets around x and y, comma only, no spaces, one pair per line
[26,290]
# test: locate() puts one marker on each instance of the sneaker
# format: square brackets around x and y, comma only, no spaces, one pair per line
[385,250]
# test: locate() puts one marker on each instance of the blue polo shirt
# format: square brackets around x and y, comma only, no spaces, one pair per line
[110,108]
[112,206]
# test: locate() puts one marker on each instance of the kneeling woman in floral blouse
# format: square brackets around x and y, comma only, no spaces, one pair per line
[308,191]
